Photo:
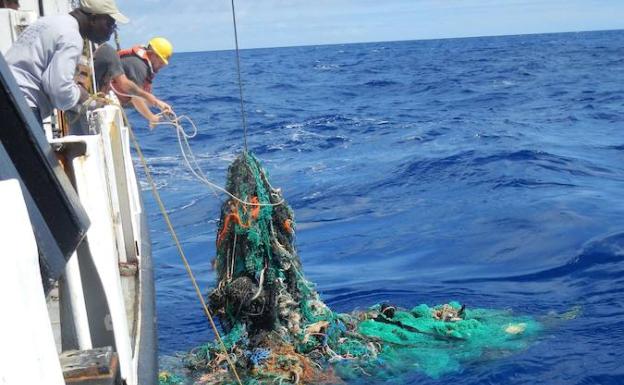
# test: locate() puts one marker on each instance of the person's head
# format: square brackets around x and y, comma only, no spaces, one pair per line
[101,18]
[159,50]
[12,4]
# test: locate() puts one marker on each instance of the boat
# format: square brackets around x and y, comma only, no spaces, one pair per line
[76,277]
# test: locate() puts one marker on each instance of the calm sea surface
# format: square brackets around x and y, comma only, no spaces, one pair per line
[488,171]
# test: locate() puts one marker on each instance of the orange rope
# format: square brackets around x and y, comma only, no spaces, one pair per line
[233,216]
[287,226]
[255,212]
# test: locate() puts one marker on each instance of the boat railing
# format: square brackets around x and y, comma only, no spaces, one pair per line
[100,300]
[100,166]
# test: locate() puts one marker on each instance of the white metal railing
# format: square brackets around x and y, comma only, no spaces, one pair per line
[106,184]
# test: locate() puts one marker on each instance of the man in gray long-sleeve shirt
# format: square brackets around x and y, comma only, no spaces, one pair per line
[44,57]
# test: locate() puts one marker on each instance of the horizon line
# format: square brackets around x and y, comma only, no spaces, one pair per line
[403,40]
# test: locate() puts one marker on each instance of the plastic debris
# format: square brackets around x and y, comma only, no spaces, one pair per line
[278,330]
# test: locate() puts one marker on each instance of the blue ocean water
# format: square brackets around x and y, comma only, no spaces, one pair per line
[485,170]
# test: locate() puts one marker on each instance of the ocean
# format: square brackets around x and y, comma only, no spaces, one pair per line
[489,171]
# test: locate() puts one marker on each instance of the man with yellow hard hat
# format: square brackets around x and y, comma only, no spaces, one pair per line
[110,76]
[141,64]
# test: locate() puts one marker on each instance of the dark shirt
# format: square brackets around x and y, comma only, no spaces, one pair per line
[135,69]
[107,66]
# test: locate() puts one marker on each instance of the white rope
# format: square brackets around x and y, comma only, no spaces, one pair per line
[233,261]
[172,119]
[260,284]
[191,160]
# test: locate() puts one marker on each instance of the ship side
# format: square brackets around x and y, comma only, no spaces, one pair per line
[76,281]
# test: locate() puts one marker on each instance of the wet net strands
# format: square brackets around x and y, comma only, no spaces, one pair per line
[278,329]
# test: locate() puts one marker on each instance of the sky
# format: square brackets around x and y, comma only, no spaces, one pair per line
[204,25]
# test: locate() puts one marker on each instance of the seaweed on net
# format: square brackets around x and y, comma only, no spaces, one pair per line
[277,328]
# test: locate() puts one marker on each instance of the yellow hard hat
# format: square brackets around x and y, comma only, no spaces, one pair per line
[161,47]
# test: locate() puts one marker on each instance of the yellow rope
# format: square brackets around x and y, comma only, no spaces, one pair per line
[181,252]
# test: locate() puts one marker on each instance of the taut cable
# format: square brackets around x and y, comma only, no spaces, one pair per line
[240,81]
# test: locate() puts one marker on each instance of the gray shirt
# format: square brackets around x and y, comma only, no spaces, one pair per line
[107,66]
[43,61]
[136,69]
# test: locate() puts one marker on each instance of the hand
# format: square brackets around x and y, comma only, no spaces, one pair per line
[96,103]
[83,81]
[82,76]
[153,120]
[164,107]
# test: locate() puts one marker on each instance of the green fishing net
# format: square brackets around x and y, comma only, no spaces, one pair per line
[276,328]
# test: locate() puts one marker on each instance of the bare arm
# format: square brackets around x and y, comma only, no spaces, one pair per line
[143,109]
[127,86]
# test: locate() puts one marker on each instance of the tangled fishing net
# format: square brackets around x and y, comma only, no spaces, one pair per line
[278,330]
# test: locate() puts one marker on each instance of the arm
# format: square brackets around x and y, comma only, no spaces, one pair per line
[83,81]
[144,110]
[127,86]
[58,79]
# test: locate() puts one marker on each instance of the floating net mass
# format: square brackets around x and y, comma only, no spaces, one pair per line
[277,329]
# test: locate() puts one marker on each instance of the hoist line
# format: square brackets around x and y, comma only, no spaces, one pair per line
[240,81]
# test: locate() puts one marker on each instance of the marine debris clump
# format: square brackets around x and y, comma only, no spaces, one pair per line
[277,328]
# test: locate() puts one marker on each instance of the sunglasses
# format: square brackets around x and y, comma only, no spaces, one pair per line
[110,22]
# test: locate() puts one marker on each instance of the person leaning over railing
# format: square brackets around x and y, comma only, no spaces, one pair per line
[110,75]
[141,64]
[44,57]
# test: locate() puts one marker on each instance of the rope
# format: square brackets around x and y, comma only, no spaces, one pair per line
[117,42]
[172,231]
[190,160]
[187,266]
[84,106]
[240,82]
[187,153]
